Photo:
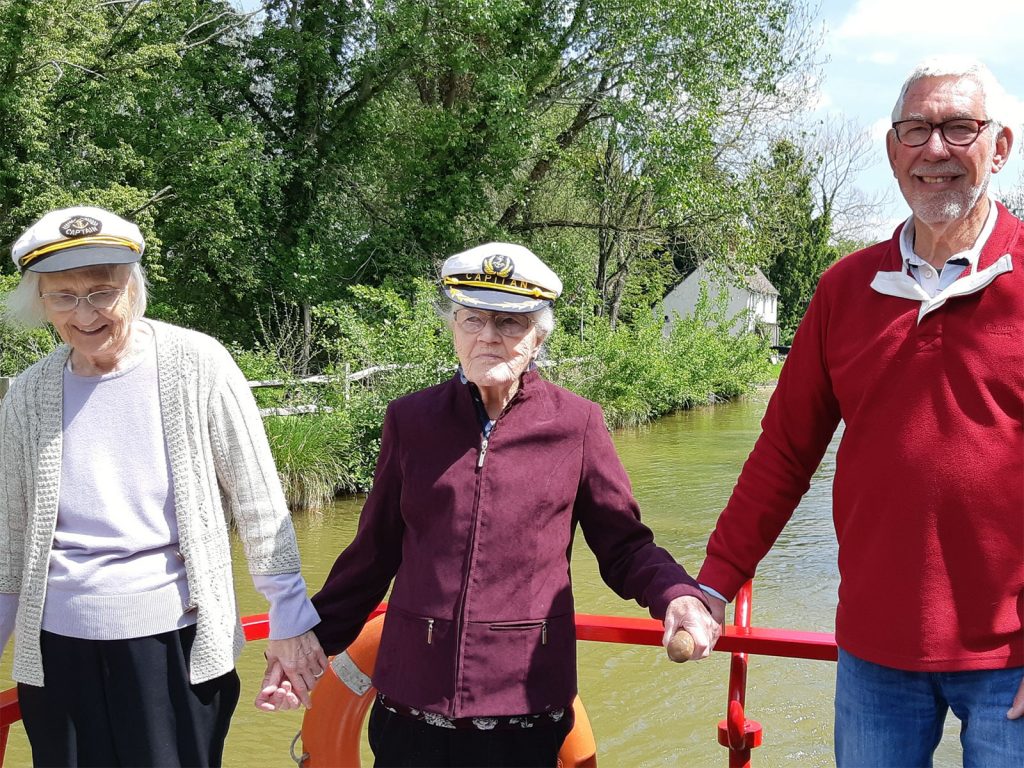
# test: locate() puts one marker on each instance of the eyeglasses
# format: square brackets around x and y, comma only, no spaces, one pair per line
[66,302]
[512,326]
[960,132]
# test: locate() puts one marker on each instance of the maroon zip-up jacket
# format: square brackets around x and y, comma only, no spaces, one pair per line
[480,621]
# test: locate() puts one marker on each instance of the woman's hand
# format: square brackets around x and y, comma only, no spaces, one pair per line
[293,667]
[688,613]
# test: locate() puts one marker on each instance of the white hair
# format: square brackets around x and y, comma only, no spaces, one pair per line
[24,307]
[997,102]
[543,318]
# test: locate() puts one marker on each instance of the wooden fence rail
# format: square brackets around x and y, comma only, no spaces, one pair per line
[346,379]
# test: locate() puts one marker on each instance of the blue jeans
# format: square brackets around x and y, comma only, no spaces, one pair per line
[889,718]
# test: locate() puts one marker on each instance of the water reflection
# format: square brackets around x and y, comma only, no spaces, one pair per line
[645,710]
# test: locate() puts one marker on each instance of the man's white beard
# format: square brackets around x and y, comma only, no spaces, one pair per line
[950,206]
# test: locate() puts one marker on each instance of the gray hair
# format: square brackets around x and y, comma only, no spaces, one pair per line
[997,101]
[23,306]
[543,318]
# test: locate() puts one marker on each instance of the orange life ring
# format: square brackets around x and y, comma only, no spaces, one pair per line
[332,729]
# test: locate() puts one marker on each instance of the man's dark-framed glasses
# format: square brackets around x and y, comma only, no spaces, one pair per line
[511,325]
[66,302]
[960,132]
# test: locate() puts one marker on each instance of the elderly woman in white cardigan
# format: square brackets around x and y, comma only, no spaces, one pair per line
[124,457]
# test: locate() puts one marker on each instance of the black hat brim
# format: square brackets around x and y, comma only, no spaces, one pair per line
[83,256]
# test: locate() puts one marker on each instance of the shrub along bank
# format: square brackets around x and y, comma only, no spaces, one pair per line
[635,372]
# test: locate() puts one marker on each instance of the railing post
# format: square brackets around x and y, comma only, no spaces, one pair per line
[10,712]
[736,732]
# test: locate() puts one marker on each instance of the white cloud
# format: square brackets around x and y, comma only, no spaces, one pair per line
[820,99]
[879,128]
[938,25]
[1015,107]
[883,58]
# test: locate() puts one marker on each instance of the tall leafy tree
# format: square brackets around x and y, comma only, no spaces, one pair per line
[123,105]
[795,233]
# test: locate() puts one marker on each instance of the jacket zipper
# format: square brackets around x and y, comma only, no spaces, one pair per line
[460,617]
[430,631]
[464,593]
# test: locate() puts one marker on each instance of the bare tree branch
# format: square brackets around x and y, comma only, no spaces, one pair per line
[56,64]
[164,194]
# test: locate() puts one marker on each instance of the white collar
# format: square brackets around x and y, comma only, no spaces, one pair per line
[902,285]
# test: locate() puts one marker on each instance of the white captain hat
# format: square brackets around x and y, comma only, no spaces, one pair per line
[81,236]
[501,277]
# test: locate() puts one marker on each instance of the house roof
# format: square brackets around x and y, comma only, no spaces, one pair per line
[758,283]
[755,282]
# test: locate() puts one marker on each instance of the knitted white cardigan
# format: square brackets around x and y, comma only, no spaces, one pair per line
[222,470]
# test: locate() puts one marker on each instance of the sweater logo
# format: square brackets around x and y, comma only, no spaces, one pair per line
[1000,329]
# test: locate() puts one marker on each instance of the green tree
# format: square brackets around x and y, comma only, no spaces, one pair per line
[124,105]
[794,233]
[406,130]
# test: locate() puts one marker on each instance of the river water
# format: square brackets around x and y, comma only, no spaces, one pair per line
[645,710]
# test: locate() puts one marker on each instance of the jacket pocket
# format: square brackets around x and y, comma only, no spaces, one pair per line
[520,667]
[535,627]
[416,661]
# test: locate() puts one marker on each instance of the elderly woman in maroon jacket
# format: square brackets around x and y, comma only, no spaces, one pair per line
[480,484]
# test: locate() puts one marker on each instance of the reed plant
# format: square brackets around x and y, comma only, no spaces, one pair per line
[313,454]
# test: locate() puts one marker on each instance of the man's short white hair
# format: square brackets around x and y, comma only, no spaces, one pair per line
[997,102]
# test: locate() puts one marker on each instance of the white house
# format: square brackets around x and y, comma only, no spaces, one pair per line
[753,292]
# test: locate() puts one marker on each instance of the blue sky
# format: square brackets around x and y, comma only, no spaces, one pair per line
[872,45]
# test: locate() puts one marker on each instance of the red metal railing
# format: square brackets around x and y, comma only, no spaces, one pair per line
[736,733]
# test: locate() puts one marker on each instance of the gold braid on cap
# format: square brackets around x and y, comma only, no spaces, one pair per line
[61,245]
[534,291]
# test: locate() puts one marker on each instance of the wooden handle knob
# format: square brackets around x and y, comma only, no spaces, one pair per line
[680,647]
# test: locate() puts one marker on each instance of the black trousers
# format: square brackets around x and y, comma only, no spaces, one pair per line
[399,741]
[126,703]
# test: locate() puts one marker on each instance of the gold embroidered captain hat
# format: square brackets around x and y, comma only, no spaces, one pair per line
[501,277]
[81,236]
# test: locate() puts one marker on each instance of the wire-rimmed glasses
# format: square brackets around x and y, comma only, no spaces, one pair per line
[510,325]
[67,302]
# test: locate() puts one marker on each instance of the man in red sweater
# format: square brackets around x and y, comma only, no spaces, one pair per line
[917,344]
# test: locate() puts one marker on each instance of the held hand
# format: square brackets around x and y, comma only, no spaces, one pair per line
[301,660]
[1017,709]
[275,692]
[689,614]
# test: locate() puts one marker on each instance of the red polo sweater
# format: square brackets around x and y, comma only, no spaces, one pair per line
[928,495]
[480,621]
